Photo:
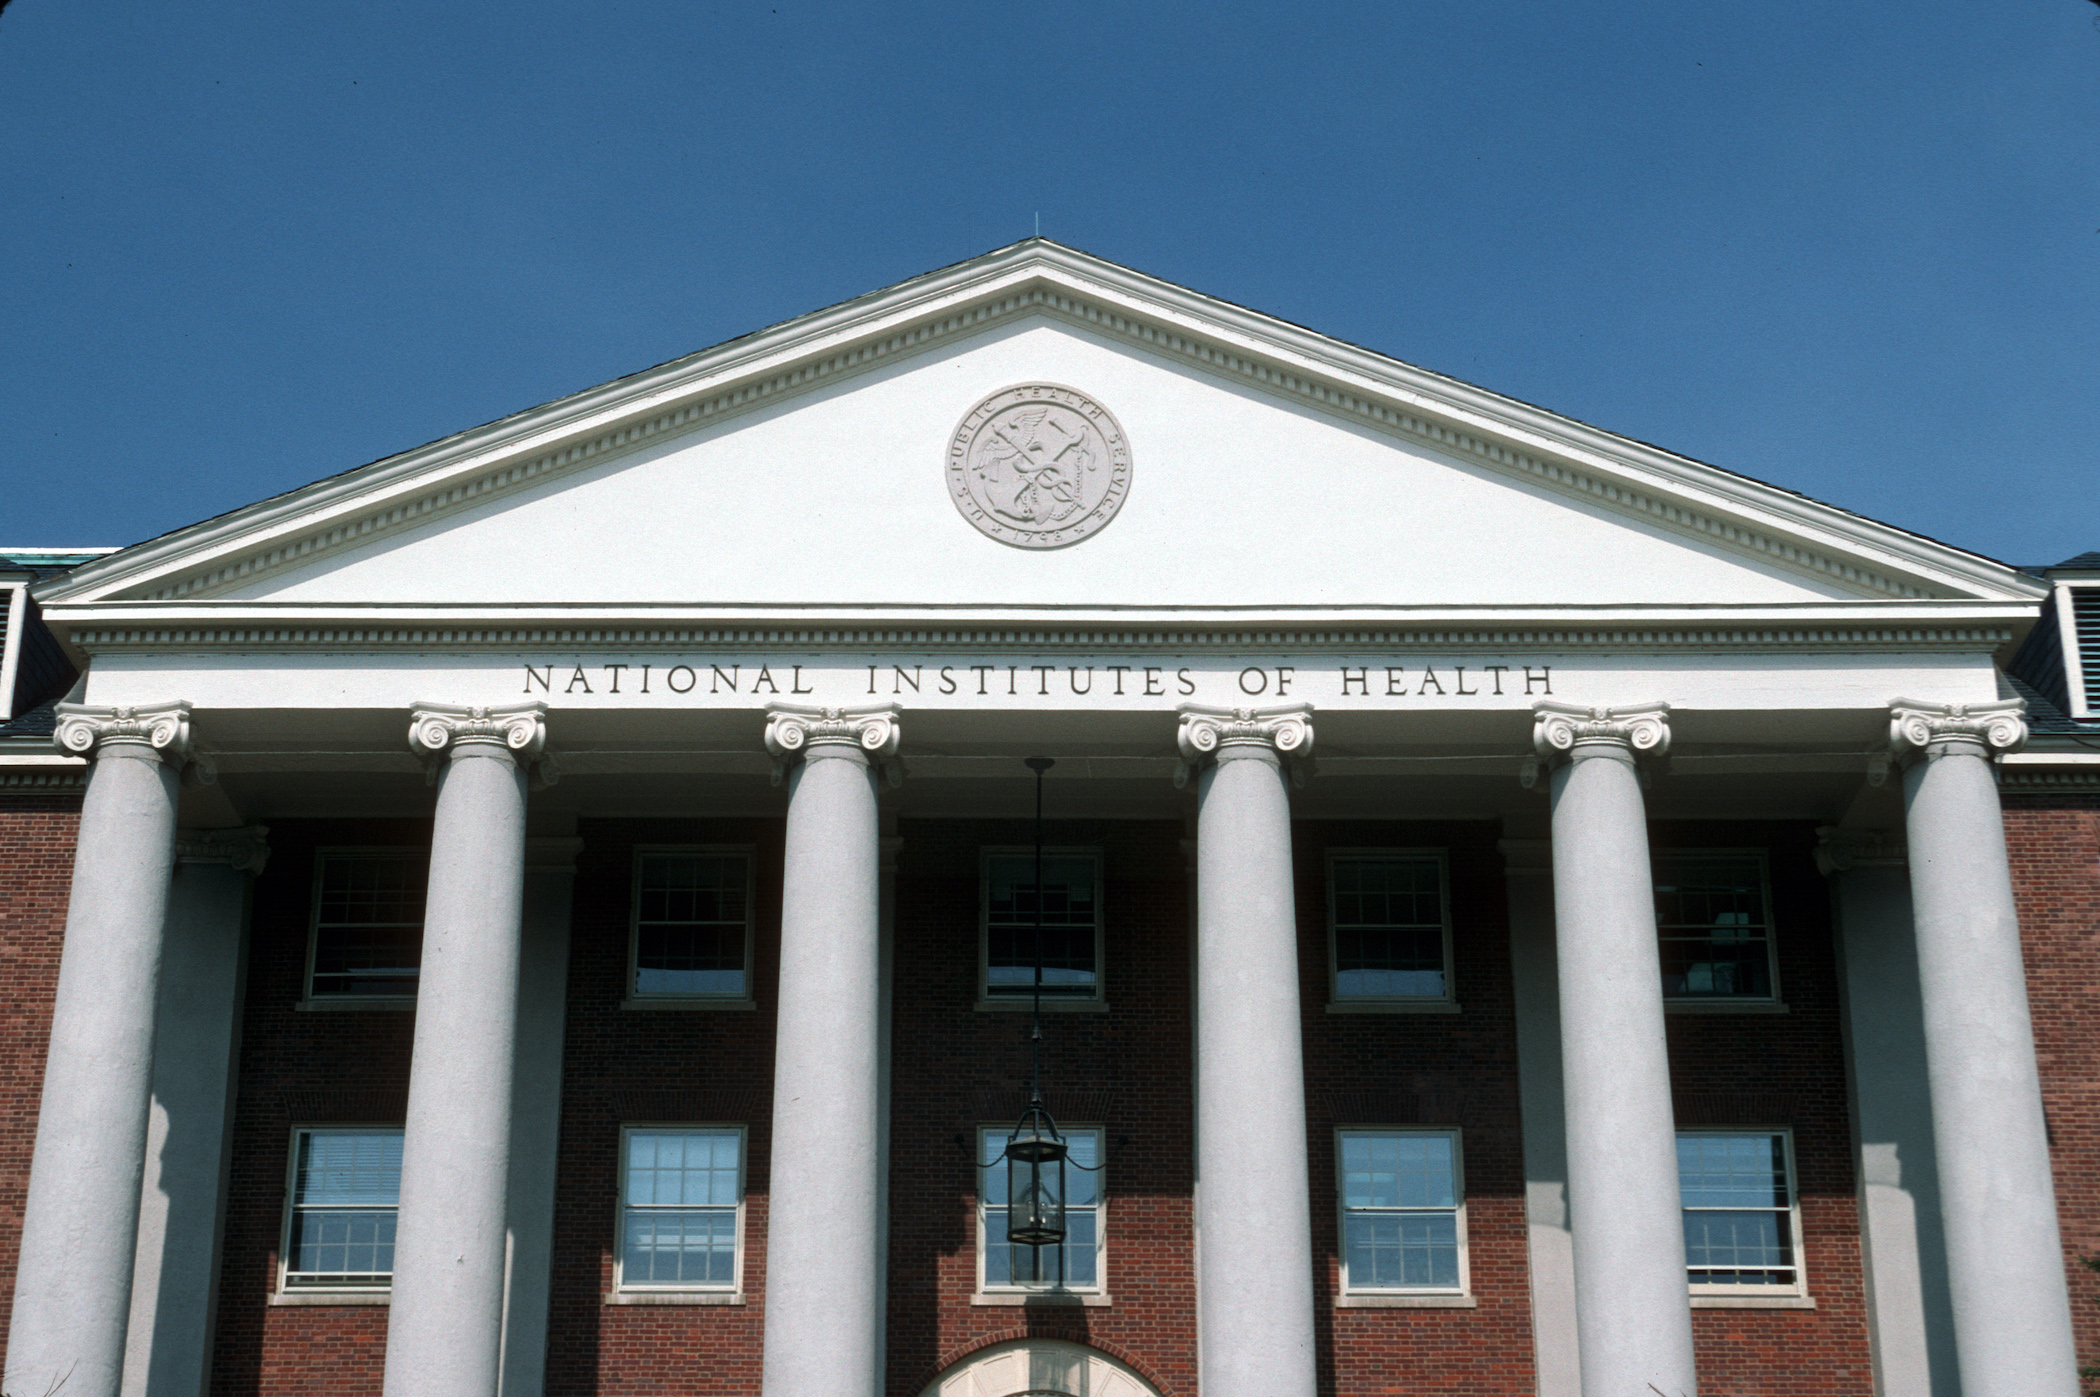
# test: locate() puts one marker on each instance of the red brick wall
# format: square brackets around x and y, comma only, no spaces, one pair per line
[667,1066]
[1127,1070]
[1787,1069]
[300,1068]
[955,1068]
[1429,1069]
[37,833]
[2054,843]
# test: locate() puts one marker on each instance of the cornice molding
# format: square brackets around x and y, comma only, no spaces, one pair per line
[1035,278]
[94,640]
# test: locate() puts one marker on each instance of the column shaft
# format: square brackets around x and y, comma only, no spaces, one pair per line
[445,1327]
[535,1130]
[2012,1321]
[175,1281]
[79,1229]
[1632,1304]
[824,1227]
[1903,1253]
[1254,1283]
[1535,982]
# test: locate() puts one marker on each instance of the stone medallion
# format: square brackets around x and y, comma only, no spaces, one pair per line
[1038,466]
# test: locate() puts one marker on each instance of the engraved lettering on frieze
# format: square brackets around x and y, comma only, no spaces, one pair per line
[1038,466]
[966,679]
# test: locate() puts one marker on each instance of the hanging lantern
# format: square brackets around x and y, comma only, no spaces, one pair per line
[1035,1180]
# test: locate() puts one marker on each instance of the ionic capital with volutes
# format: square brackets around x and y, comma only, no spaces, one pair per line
[1213,734]
[1920,731]
[157,730]
[873,734]
[439,731]
[1842,850]
[1561,732]
[244,850]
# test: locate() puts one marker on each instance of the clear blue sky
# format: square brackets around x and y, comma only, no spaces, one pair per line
[1850,248]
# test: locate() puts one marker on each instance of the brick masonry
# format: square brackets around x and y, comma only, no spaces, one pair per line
[2054,842]
[1130,1068]
[37,834]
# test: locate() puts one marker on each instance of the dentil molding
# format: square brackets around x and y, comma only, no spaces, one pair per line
[161,729]
[875,730]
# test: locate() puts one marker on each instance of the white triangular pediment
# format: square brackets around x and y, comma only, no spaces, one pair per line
[1268,468]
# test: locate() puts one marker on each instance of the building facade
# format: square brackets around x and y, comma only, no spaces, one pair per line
[1511,910]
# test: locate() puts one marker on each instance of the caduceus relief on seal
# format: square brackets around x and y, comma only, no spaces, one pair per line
[1038,465]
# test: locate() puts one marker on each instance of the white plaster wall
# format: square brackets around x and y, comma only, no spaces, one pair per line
[838,495]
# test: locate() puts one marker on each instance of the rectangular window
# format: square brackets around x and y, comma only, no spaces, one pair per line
[681,1208]
[1741,1228]
[1403,1212]
[1716,933]
[1070,903]
[1074,1266]
[692,924]
[368,923]
[1391,937]
[346,1188]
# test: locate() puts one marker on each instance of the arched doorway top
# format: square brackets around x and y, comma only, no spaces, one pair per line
[1040,1368]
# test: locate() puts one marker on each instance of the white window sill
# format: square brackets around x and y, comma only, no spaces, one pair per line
[1051,1004]
[1725,1006]
[694,1001]
[1394,1006]
[1753,1302]
[1042,1297]
[1405,1302]
[332,1297]
[351,1003]
[675,1297]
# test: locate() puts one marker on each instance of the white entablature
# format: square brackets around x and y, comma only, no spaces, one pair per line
[798,477]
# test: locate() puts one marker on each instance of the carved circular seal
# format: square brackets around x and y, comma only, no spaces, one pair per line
[1038,466]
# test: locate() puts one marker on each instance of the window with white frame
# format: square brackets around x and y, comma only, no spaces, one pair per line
[681,1208]
[1712,915]
[1403,1212]
[692,924]
[344,1196]
[367,938]
[1389,930]
[1077,1264]
[1742,1228]
[1070,905]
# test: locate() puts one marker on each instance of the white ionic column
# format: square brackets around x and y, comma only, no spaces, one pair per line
[535,1126]
[445,1327]
[2005,1262]
[196,1034]
[1254,1281]
[1632,1302]
[1535,983]
[80,1226]
[1903,1253]
[824,1229]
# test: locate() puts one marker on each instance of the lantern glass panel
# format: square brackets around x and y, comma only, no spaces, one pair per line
[1076,1265]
